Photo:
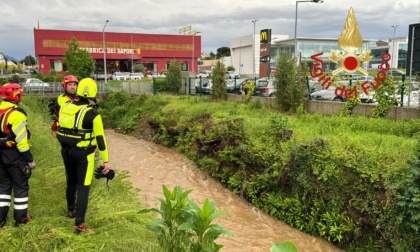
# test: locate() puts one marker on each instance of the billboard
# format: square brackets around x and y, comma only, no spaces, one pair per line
[265,46]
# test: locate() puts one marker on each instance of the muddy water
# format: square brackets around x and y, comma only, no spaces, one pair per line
[151,165]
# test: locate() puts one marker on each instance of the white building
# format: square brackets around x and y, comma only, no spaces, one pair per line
[245,53]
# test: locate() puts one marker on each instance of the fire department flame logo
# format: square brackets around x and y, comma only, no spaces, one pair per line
[350,41]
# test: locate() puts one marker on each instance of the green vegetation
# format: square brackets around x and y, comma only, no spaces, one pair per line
[219,82]
[286,246]
[351,180]
[174,79]
[289,88]
[113,214]
[77,61]
[138,68]
[185,226]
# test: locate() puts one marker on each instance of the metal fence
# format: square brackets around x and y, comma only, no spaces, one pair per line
[56,88]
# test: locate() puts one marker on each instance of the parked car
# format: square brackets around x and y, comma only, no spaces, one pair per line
[327,95]
[136,76]
[35,84]
[349,76]
[204,74]
[235,86]
[118,76]
[366,78]
[205,88]
[127,75]
[395,72]
[265,87]
[232,75]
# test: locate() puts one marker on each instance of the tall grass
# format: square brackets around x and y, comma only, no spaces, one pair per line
[112,214]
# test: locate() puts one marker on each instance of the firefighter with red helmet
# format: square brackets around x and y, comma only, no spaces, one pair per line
[16,160]
[69,86]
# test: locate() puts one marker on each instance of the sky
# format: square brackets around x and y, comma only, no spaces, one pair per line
[218,21]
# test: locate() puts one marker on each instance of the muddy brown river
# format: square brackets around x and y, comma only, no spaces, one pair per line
[151,165]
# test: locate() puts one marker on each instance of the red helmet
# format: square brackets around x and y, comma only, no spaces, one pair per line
[67,79]
[11,92]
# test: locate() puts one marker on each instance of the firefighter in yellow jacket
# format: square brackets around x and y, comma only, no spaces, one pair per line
[69,86]
[80,134]
[16,159]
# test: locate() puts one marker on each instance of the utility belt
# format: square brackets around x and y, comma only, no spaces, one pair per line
[69,138]
[69,147]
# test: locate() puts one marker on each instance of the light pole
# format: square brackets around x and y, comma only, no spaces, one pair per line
[240,56]
[192,56]
[253,49]
[132,49]
[393,47]
[296,14]
[103,37]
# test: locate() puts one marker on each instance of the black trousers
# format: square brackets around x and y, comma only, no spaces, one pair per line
[13,178]
[79,165]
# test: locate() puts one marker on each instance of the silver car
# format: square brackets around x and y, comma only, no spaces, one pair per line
[327,95]
[265,87]
[35,84]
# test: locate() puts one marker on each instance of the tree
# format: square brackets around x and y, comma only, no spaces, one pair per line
[174,77]
[289,90]
[138,68]
[219,82]
[28,60]
[77,61]
[222,52]
[230,68]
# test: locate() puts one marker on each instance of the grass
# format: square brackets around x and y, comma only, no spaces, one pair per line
[112,214]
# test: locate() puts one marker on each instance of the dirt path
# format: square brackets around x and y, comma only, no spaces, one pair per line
[151,165]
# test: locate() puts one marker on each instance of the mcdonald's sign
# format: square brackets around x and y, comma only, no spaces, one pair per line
[265,36]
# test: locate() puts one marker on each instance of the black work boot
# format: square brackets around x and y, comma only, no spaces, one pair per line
[23,221]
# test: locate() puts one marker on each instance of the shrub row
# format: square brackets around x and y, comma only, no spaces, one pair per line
[351,180]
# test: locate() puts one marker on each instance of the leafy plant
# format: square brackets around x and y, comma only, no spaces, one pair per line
[286,246]
[184,225]
[249,88]
[346,110]
[385,94]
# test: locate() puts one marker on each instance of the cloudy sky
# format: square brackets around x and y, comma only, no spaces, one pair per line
[217,20]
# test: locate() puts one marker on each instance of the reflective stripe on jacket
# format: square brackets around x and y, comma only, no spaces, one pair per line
[81,127]
[17,124]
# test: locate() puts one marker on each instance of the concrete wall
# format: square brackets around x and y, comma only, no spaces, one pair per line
[333,108]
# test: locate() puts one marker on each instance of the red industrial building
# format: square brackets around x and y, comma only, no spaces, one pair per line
[123,50]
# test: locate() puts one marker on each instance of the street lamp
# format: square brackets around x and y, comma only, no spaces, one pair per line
[253,49]
[240,56]
[132,49]
[192,56]
[297,2]
[393,47]
[103,37]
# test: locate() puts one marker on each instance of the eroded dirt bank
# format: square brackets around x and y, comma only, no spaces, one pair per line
[152,165]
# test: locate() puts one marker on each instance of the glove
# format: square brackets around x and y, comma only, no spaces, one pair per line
[99,174]
[54,126]
[32,165]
